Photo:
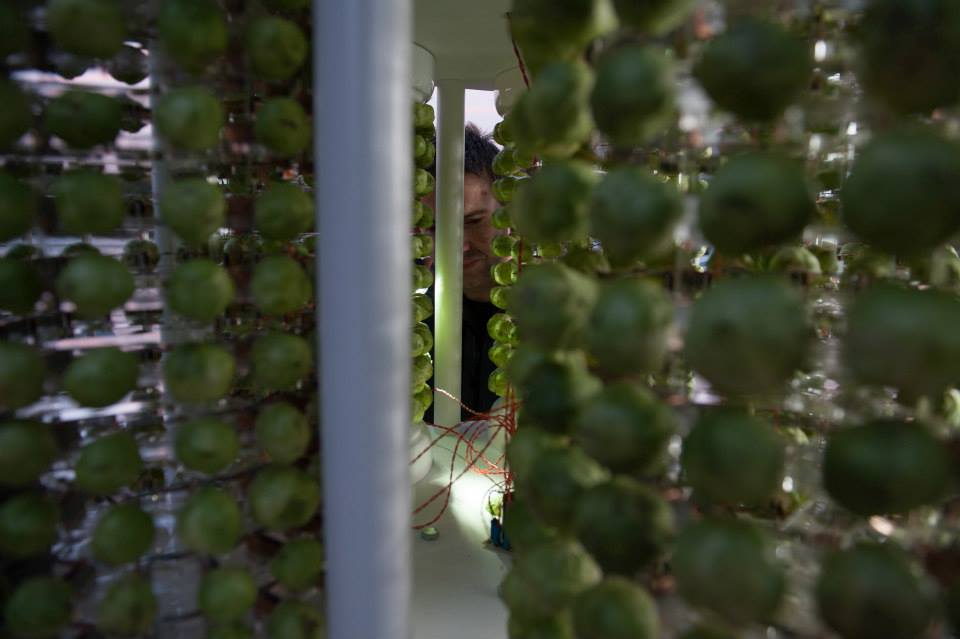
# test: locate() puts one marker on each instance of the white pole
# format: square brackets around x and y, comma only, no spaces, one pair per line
[364,191]
[448,291]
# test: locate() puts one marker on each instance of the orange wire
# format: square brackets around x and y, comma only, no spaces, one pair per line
[504,421]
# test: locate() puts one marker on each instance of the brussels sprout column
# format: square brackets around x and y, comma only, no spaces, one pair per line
[449,249]
[363,148]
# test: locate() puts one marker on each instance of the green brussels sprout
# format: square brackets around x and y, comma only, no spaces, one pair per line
[277,48]
[28,525]
[552,119]
[549,577]
[299,564]
[633,214]
[101,377]
[123,534]
[732,458]
[200,289]
[748,335]
[226,593]
[653,16]
[551,304]
[909,52]
[283,432]
[625,428]
[88,202]
[210,522]
[206,445]
[872,591]
[20,286]
[729,568]
[558,479]
[283,212]
[279,286]
[624,525]
[108,464]
[728,69]
[197,373]
[26,450]
[193,33]
[39,607]
[22,369]
[616,608]
[882,328]
[554,205]
[755,201]
[886,467]
[94,28]
[129,607]
[633,98]
[189,118]
[194,209]
[283,497]
[279,361]
[129,65]
[84,119]
[626,331]
[282,126]
[18,203]
[95,284]
[900,196]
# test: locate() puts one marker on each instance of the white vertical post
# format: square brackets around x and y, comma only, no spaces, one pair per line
[364,191]
[448,291]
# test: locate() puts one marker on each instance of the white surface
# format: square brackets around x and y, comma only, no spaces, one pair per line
[469,39]
[510,85]
[421,457]
[480,107]
[456,577]
[448,291]
[422,77]
[363,274]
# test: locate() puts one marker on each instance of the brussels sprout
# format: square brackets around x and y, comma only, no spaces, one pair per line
[554,205]
[901,195]
[729,72]
[193,33]
[728,567]
[633,98]
[886,467]
[755,201]
[732,458]
[92,28]
[871,591]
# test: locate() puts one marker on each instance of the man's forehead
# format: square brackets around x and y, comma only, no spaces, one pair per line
[473,181]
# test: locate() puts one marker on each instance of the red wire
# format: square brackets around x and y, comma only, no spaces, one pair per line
[472,456]
[516,52]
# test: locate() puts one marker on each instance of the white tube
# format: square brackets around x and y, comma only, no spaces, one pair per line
[364,191]
[448,291]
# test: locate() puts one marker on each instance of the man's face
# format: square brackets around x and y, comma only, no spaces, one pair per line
[478,232]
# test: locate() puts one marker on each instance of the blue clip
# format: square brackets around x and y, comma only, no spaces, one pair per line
[496,532]
[498,536]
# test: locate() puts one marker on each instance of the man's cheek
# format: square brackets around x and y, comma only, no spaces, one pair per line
[488,239]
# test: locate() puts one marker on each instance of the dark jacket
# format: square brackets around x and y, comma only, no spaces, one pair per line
[475,364]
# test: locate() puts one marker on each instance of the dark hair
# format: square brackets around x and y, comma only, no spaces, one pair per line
[478,153]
